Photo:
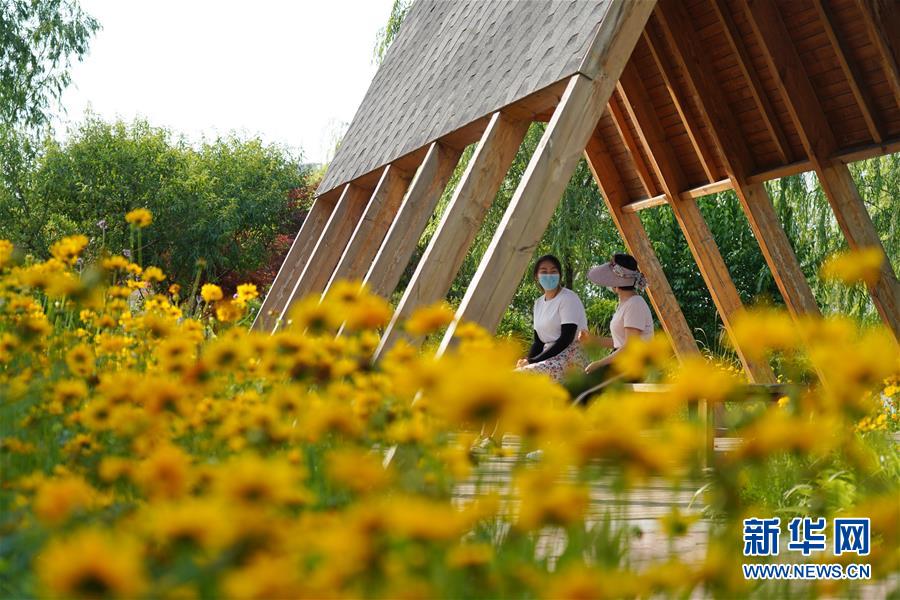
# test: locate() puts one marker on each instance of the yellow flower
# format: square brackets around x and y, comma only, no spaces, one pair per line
[69,248]
[228,311]
[57,499]
[154,274]
[266,577]
[69,391]
[115,263]
[863,265]
[548,500]
[252,481]
[429,319]
[210,292]
[6,252]
[140,217]
[368,312]
[246,292]
[199,523]
[80,360]
[165,473]
[358,471]
[470,555]
[676,524]
[91,564]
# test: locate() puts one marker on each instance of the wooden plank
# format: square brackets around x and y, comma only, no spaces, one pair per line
[695,192]
[330,245]
[638,243]
[851,72]
[691,126]
[882,20]
[754,199]
[855,222]
[554,160]
[418,205]
[687,213]
[460,222]
[372,227]
[820,145]
[618,116]
[760,98]
[294,263]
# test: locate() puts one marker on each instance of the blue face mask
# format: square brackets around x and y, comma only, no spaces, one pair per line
[549,281]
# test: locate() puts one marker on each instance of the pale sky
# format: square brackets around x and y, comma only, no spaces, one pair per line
[290,71]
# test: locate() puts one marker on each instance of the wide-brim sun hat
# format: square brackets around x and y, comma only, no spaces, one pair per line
[612,275]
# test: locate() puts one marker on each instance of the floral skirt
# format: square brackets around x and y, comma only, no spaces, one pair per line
[557,366]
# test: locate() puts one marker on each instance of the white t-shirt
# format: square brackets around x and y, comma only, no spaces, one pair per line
[634,313]
[551,315]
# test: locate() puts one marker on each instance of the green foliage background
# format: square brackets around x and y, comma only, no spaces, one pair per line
[221,202]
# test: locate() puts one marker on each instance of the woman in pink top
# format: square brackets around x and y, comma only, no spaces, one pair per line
[632,317]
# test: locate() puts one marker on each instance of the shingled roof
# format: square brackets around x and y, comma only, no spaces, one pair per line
[454,62]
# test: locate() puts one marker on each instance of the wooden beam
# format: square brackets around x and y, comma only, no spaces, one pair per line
[845,155]
[418,205]
[755,201]
[851,71]
[882,20]
[638,243]
[696,192]
[820,144]
[294,263]
[372,227]
[687,213]
[760,98]
[550,168]
[618,117]
[691,126]
[460,222]
[855,222]
[330,245]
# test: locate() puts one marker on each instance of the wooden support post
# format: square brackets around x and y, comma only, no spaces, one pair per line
[400,241]
[372,227]
[460,222]
[554,160]
[687,213]
[821,146]
[293,265]
[330,245]
[638,243]
[755,201]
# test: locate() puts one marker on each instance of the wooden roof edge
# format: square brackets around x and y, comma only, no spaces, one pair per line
[531,107]
[845,155]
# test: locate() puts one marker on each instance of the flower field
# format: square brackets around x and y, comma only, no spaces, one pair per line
[152,446]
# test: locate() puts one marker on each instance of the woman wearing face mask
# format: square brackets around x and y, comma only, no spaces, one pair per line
[632,318]
[558,318]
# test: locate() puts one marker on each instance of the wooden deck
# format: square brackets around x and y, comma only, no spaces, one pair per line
[639,510]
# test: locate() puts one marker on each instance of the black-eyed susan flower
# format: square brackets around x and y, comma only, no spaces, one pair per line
[210,292]
[68,249]
[58,498]
[861,265]
[90,564]
[429,319]
[139,217]
[81,360]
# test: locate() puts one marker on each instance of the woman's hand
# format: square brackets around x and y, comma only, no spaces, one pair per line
[521,363]
[595,365]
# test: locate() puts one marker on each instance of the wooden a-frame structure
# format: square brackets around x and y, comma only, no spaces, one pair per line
[667,101]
